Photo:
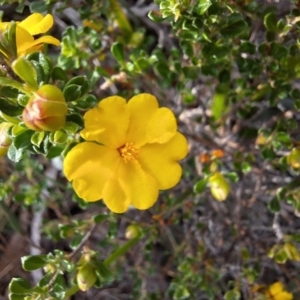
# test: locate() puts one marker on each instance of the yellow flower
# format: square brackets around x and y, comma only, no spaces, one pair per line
[276,292]
[131,152]
[25,30]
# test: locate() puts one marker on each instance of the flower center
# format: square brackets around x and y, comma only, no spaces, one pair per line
[128,152]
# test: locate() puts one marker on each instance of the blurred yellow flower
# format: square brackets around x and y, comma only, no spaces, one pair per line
[34,24]
[131,152]
[276,292]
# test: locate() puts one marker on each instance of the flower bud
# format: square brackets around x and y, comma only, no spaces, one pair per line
[132,231]
[219,187]
[5,140]
[86,276]
[46,109]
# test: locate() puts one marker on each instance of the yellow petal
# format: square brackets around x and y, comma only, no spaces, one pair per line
[31,50]
[90,166]
[46,39]
[284,296]
[23,39]
[37,23]
[140,187]
[160,160]
[108,123]
[142,107]
[130,185]
[161,127]
[114,196]
[276,288]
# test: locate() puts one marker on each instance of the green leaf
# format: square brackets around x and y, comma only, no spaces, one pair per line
[19,286]
[232,295]
[4,81]
[26,71]
[37,138]
[283,137]
[103,272]
[270,22]
[75,118]
[181,293]
[165,4]
[247,47]
[33,262]
[38,6]
[162,69]
[268,153]
[246,167]
[118,51]
[280,25]
[16,297]
[17,129]
[295,94]
[58,137]
[14,154]
[155,16]
[100,218]
[297,104]
[219,51]
[55,151]
[9,92]
[20,8]
[23,100]
[121,19]
[235,26]
[232,176]
[42,64]
[274,205]
[190,72]
[278,51]
[218,104]
[187,48]
[23,140]
[9,108]
[71,127]
[81,81]
[72,92]
[200,186]
[202,6]
[10,36]
[58,73]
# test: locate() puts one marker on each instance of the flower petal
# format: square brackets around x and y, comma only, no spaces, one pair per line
[37,23]
[140,187]
[46,39]
[284,296]
[114,196]
[276,288]
[26,43]
[160,160]
[90,166]
[161,127]
[142,107]
[23,39]
[130,185]
[107,124]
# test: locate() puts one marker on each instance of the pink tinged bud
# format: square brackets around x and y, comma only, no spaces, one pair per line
[5,140]
[46,110]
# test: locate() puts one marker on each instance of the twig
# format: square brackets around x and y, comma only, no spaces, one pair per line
[277,228]
[83,241]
